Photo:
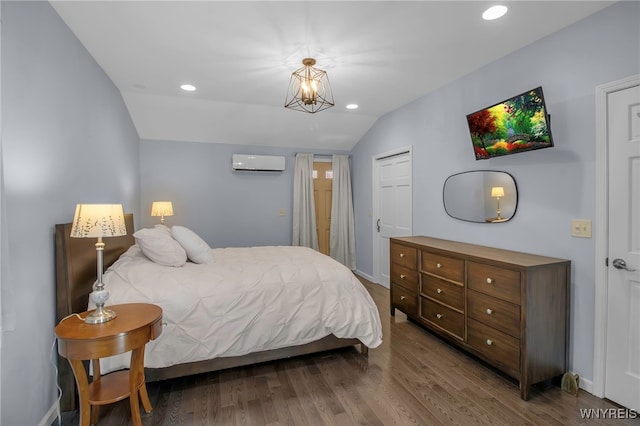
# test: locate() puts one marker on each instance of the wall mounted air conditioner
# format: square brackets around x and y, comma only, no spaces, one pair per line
[258,163]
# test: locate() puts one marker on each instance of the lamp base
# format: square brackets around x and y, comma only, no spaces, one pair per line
[99,316]
[496,219]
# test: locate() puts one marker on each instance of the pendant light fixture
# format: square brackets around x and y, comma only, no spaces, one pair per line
[309,89]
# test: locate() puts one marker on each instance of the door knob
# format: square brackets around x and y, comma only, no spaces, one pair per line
[621,264]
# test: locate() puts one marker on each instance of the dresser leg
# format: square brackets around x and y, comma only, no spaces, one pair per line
[524,391]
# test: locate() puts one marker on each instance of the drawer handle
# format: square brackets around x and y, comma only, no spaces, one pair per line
[439,291]
[438,265]
[489,342]
[489,311]
[401,254]
[489,280]
[402,276]
[402,298]
[439,316]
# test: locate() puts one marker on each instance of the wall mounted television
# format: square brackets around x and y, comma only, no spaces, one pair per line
[518,124]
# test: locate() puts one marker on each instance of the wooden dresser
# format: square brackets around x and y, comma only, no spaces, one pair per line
[508,308]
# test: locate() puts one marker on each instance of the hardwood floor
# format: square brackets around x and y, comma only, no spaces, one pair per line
[413,378]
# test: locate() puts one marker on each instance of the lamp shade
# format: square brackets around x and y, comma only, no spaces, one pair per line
[497,191]
[162,208]
[98,220]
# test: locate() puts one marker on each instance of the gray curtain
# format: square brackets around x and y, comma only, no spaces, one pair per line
[304,210]
[342,238]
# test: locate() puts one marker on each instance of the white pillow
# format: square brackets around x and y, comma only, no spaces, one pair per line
[160,247]
[198,251]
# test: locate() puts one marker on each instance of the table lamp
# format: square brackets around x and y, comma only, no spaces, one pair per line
[497,192]
[162,209]
[98,221]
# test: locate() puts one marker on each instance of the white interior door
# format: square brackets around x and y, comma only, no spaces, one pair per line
[394,208]
[622,381]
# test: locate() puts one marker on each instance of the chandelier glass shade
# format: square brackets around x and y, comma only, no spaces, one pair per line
[309,89]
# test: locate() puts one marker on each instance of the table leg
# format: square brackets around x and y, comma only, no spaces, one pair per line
[83,391]
[95,410]
[136,385]
[144,398]
[142,385]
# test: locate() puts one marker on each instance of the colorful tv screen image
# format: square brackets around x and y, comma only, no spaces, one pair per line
[518,124]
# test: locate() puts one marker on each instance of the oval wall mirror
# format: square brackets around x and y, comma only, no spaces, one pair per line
[481,196]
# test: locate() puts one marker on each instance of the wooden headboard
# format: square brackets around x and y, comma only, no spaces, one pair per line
[76,266]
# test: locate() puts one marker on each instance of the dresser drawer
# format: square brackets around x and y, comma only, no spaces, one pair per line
[405,300]
[443,266]
[445,318]
[498,282]
[443,291]
[493,312]
[404,256]
[499,348]
[405,277]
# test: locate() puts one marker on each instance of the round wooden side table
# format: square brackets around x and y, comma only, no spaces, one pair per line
[134,326]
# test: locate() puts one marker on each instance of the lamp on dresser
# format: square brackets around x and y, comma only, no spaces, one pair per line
[497,192]
[162,209]
[99,221]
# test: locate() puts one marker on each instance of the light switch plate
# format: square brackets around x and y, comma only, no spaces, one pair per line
[581,228]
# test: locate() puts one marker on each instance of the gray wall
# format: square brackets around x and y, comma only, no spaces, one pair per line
[555,184]
[67,138]
[226,208]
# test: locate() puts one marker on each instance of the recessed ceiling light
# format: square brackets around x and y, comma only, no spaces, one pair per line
[494,12]
[352,106]
[188,87]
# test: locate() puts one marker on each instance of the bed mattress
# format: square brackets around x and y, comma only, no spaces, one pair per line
[249,299]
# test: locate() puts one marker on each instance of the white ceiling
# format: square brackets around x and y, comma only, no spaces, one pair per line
[240,55]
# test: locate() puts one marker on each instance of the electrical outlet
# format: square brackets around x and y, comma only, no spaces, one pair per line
[581,228]
[282,212]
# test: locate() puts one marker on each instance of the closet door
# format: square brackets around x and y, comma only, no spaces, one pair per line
[394,208]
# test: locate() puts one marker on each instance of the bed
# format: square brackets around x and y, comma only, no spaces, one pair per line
[284,301]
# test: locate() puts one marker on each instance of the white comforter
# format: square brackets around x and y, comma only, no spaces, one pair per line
[250,299]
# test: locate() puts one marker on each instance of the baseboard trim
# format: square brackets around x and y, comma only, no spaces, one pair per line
[363,275]
[587,385]
[51,417]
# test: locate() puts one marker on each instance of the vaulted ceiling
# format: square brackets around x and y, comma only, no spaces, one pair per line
[240,56]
